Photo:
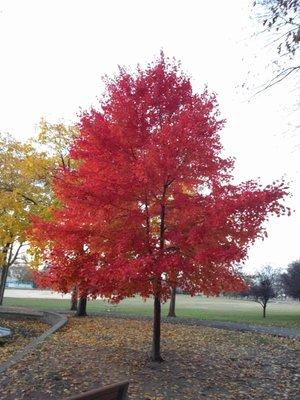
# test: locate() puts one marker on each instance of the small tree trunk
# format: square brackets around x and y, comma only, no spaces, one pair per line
[264,310]
[172,303]
[4,273]
[155,355]
[74,299]
[81,310]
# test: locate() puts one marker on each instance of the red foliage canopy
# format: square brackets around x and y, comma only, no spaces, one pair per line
[151,204]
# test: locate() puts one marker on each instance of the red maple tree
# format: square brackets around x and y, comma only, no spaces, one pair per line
[69,265]
[152,196]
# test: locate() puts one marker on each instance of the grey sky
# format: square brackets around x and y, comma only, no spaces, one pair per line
[53,54]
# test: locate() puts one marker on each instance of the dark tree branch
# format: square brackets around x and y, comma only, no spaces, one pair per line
[278,78]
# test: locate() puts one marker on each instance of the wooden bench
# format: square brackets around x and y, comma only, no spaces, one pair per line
[117,391]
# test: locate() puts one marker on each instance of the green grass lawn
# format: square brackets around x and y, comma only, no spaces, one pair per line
[221,309]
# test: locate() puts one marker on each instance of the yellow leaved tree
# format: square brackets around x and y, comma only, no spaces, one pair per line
[26,171]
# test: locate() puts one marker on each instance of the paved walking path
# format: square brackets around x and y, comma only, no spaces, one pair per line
[55,320]
[291,333]
[20,310]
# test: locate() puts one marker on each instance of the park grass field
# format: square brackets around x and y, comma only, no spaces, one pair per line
[279,313]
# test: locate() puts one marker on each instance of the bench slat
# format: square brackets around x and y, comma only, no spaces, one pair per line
[117,391]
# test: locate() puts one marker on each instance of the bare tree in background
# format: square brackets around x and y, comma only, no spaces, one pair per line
[281,19]
[263,289]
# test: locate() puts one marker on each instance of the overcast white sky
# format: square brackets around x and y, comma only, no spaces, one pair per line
[53,54]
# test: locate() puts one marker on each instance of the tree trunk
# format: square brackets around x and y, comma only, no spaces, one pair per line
[4,273]
[172,303]
[264,310]
[155,354]
[74,299]
[81,310]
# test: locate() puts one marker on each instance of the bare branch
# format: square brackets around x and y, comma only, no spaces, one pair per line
[278,78]
[15,255]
